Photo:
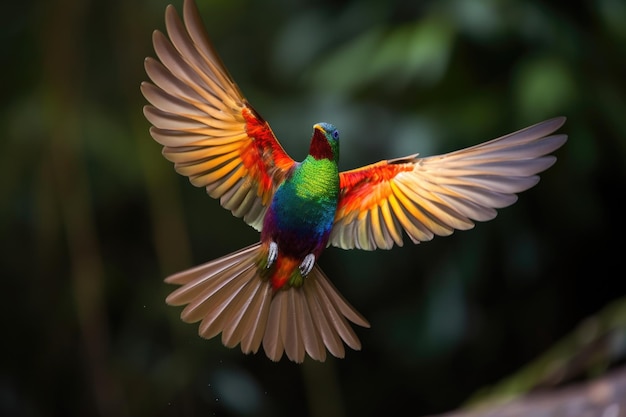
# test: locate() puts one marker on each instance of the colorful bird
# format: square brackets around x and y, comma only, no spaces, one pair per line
[273,292]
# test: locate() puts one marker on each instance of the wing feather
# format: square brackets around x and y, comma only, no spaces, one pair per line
[433,196]
[206,126]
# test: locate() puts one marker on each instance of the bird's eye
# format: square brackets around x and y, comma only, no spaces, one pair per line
[335,134]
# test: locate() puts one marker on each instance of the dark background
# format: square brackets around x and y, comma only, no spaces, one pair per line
[93,218]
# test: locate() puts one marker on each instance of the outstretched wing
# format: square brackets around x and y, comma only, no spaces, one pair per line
[206,126]
[435,195]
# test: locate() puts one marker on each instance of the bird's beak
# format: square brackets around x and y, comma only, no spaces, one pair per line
[319,127]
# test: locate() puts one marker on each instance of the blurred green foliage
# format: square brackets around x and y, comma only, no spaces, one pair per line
[93,217]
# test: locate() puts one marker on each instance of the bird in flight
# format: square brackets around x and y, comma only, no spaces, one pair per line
[273,293]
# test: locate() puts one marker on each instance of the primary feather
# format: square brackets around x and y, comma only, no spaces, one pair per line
[273,293]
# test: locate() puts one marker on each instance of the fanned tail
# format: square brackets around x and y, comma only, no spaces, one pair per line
[230,296]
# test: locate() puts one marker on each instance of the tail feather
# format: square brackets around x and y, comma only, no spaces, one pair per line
[273,337]
[197,276]
[220,307]
[253,328]
[229,296]
[312,344]
[224,285]
[329,337]
[340,303]
[335,317]
[244,309]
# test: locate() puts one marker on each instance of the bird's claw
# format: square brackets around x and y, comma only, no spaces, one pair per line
[273,254]
[307,264]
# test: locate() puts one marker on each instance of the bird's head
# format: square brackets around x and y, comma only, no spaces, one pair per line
[325,142]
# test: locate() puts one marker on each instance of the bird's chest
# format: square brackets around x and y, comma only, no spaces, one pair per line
[306,202]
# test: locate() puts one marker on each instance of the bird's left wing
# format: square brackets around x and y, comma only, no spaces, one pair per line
[206,126]
[435,195]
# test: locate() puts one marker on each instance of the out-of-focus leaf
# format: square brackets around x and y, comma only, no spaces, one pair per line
[348,65]
[393,58]
[543,86]
[613,14]
[479,18]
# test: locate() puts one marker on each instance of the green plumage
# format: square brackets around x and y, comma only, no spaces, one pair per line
[309,196]
[302,211]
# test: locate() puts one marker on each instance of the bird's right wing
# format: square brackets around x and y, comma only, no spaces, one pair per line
[206,126]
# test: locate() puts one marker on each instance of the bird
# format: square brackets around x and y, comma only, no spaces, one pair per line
[273,293]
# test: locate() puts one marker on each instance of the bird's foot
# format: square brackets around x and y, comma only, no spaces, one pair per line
[273,254]
[307,264]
